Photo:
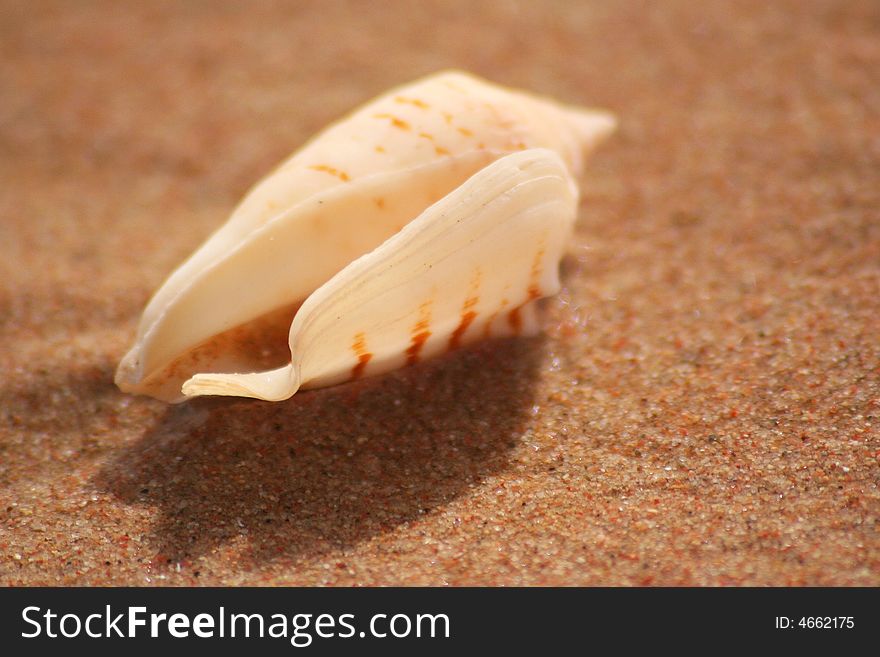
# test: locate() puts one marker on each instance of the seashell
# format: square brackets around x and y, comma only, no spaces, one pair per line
[487,249]
[432,216]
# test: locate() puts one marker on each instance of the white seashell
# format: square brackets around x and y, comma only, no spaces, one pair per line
[490,246]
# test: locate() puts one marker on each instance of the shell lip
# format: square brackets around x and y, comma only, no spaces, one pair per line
[275,385]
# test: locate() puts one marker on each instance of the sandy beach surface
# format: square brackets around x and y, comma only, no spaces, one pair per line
[703,408]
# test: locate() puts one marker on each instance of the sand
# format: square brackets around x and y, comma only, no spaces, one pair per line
[702,410]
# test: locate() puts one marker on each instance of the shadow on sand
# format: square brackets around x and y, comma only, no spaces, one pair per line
[330,468]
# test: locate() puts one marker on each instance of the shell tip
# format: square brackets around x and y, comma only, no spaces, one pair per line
[593,126]
[129,373]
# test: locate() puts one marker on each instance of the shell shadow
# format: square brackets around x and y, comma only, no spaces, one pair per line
[327,469]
